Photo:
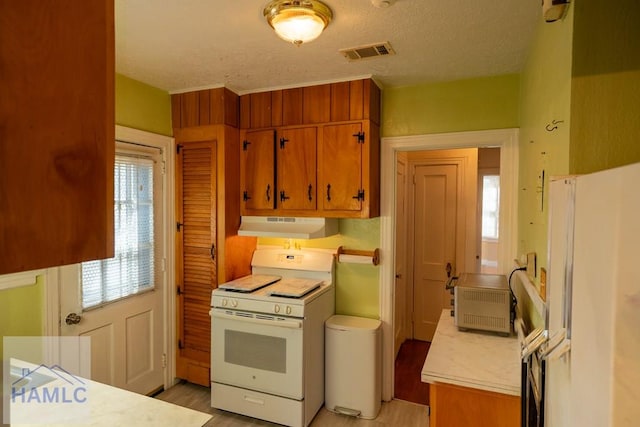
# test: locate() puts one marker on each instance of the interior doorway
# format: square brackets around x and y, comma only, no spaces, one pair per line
[507,141]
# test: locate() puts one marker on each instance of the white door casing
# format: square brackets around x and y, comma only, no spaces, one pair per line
[507,140]
[146,319]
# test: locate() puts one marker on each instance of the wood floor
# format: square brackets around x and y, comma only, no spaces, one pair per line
[394,413]
[408,367]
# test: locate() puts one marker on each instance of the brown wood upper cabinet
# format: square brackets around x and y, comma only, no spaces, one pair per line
[325,170]
[57,138]
[278,170]
[349,170]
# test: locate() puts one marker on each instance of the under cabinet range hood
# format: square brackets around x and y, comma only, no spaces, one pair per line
[287,227]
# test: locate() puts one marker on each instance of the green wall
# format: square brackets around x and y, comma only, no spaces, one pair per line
[456,106]
[545,120]
[22,310]
[141,106]
[605,101]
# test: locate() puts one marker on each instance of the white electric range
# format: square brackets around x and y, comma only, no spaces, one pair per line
[267,336]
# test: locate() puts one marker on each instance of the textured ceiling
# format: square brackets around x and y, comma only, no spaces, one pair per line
[180,45]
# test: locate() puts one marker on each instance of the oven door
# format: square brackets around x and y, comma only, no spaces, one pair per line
[257,352]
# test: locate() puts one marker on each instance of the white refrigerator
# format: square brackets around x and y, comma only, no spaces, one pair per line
[593,300]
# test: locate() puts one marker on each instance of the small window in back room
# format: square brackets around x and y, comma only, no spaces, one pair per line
[490,222]
[488,208]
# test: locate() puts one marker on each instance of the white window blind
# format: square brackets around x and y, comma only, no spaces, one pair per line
[131,270]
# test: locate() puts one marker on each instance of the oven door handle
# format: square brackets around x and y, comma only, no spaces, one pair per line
[291,324]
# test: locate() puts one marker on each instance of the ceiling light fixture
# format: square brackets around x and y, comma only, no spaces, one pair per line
[298,21]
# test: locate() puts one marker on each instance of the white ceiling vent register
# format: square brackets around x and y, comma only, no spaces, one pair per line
[367,51]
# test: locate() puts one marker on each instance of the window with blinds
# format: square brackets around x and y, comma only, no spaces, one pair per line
[131,270]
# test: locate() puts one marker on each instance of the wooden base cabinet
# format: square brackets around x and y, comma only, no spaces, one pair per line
[208,250]
[453,406]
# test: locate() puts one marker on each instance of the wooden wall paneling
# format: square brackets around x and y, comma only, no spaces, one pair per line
[231,108]
[190,109]
[204,107]
[245,112]
[371,101]
[57,135]
[292,106]
[260,110]
[340,102]
[316,104]
[356,100]
[217,108]
[176,110]
[276,108]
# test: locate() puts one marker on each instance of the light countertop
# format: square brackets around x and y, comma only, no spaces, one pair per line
[477,360]
[65,399]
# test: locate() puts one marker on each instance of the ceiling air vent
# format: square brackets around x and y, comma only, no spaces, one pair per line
[368,51]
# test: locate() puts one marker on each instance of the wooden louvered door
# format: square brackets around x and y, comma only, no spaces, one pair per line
[195,257]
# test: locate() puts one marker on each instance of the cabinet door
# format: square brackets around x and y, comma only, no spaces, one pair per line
[56,133]
[196,264]
[341,167]
[297,168]
[257,163]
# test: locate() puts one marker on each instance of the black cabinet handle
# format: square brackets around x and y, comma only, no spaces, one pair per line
[309,190]
[268,193]
[213,252]
[283,196]
[329,192]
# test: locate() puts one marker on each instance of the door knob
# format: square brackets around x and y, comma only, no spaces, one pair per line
[72,319]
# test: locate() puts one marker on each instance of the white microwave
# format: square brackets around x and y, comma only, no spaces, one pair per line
[481,302]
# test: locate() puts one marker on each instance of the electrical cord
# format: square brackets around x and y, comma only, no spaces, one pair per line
[514,300]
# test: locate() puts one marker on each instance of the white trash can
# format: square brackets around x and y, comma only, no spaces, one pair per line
[353,368]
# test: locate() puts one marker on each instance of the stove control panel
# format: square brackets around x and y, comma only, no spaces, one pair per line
[257,305]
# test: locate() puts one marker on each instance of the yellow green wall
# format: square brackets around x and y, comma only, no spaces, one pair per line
[605,100]
[545,120]
[22,310]
[456,106]
[141,106]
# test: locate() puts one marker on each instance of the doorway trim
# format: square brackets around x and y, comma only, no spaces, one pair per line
[507,140]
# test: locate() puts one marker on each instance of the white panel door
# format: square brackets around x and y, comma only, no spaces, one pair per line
[126,331]
[435,213]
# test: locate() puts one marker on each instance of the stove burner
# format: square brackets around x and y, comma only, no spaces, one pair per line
[250,283]
[292,287]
